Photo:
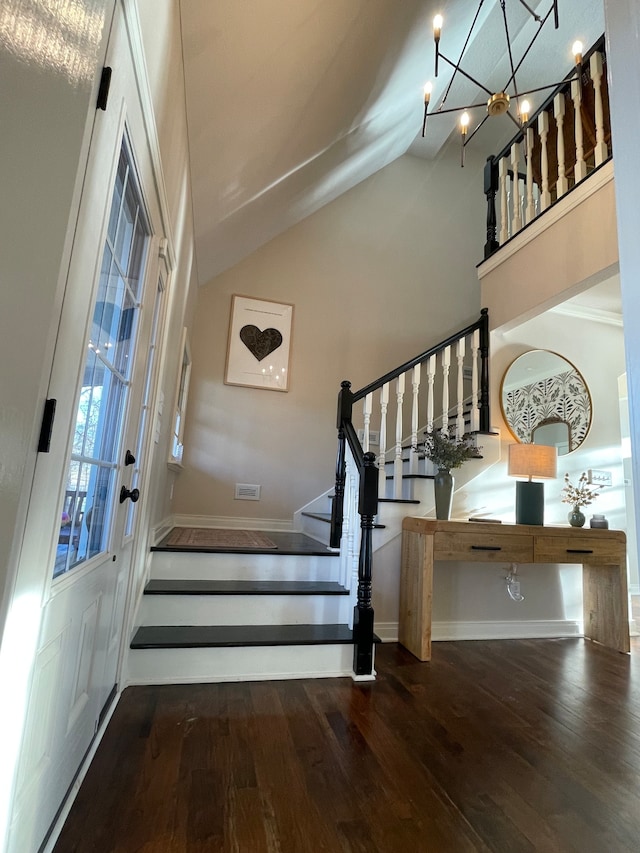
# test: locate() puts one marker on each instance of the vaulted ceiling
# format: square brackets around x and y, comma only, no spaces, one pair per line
[290,104]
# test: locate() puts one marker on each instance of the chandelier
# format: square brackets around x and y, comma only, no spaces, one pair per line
[498,103]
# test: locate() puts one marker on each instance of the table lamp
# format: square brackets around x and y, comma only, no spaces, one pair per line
[531,460]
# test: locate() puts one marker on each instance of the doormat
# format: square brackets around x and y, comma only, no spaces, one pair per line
[204,537]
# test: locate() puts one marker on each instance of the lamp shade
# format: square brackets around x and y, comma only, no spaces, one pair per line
[534,461]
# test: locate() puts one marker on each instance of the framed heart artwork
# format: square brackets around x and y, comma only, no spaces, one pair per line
[259,343]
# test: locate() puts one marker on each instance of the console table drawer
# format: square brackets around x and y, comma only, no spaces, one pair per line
[578,549]
[483,547]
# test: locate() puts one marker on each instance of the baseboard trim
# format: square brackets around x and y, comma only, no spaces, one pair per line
[530,629]
[512,630]
[233,523]
[162,529]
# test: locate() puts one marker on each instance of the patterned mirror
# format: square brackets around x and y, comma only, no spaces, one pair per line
[545,400]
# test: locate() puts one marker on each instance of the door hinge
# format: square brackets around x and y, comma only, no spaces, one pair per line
[103,91]
[44,442]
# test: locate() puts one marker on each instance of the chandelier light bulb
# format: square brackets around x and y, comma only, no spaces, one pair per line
[464,123]
[428,88]
[437,27]
[525,108]
[576,50]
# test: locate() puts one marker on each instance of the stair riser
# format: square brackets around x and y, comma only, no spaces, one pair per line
[196,566]
[262,663]
[244,609]
[318,530]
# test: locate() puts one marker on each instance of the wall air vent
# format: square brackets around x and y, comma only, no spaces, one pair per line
[247,492]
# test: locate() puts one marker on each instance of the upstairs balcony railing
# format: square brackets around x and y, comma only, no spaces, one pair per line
[447,386]
[561,144]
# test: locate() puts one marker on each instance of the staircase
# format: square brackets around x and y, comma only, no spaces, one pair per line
[303,609]
[216,615]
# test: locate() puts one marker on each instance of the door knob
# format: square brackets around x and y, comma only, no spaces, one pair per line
[125,493]
[129,458]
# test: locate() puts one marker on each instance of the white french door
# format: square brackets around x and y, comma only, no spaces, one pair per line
[82,517]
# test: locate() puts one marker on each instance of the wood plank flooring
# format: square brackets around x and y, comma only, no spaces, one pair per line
[501,746]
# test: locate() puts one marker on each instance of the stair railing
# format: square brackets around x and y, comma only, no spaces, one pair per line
[427,406]
[561,144]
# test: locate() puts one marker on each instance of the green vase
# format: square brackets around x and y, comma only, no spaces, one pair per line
[576,517]
[443,488]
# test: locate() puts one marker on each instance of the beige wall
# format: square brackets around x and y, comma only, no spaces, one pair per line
[376,277]
[572,246]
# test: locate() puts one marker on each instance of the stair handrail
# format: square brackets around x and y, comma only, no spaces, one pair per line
[368,478]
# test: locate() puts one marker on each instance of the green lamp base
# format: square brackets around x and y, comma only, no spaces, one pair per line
[529,502]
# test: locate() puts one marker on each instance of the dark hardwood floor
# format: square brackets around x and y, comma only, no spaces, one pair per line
[505,746]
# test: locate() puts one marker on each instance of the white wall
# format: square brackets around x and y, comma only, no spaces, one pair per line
[376,277]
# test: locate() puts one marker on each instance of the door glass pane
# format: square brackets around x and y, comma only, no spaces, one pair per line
[94,464]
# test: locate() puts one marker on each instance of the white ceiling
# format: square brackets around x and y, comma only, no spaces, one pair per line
[290,104]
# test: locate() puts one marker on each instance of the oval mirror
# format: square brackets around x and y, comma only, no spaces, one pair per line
[545,400]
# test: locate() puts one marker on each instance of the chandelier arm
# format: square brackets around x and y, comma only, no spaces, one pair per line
[506,32]
[473,132]
[524,55]
[537,18]
[515,121]
[464,47]
[464,73]
[438,111]
[546,86]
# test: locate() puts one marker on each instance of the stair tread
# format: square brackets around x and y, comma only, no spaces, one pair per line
[289,543]
[326,516]
[203,636]
[179,586]
[398,501]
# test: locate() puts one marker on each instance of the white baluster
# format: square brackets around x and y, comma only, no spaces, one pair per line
[576,94]
[595,66]
[531,210]
[516,222]
[415,384]
[446,363]
[475,349]
[559,107]
[543,130]
[504,202]
[460,357]
[397,462]
[382,457]
[431,375]
[367,407]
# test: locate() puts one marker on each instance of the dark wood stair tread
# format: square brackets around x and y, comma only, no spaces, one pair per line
[220,636]
[326,516]
[398,501]
[242,587]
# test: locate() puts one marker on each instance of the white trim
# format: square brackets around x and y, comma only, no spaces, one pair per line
[583,312]
[134,33]
[161,529]
[560,209]
[233,523]
[387,631]
[526,629]
[84,769]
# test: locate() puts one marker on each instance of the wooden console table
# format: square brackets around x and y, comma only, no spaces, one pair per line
[602,554]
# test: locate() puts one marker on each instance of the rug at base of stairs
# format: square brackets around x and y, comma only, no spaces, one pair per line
[203,537]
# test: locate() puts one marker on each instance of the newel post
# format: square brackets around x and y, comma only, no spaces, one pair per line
[363,611]
[345,405]
[484,371]
[490,190]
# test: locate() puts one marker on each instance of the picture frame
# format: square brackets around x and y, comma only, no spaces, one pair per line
[259,344]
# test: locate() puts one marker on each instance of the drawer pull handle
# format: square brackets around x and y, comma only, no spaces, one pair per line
[486,548]
[579,550]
